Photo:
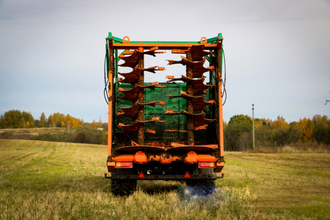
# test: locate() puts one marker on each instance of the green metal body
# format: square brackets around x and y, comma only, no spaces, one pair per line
[176,122]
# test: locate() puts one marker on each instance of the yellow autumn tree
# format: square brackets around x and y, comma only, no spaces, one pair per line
[43,120]
[51,121]
[280,122]
[93,124]
[306,131]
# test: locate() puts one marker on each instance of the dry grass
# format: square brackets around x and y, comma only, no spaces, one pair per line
[48,180]
[311,147]
[28,133]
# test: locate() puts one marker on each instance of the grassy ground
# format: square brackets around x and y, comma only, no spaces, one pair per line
[49,180]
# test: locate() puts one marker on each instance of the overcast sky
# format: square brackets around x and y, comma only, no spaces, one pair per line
[277,52]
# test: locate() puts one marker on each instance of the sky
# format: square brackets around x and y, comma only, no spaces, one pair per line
[277,52]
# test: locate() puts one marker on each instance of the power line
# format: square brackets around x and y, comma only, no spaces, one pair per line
[326,101]
[305,105]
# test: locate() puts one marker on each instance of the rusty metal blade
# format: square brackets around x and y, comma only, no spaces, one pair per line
[197,66]
[197,52]
[132,60]
[199,120]
[132,111]
[132,94]
[132,77]
[200,123]
[132,128]
[198,101]
[175,131]
[198,85]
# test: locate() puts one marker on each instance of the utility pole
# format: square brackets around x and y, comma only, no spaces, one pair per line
[253,127]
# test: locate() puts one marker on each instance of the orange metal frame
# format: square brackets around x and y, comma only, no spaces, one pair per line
[176,47]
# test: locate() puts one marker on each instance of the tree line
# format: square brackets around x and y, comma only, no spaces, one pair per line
[18,119]
[276,133]
[237,132]
[67,128]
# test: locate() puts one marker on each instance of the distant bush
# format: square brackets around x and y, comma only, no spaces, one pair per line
[60,137]
[7,135]
[80,135]
[87,135]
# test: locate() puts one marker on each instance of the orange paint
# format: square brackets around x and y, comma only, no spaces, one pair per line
[140,158]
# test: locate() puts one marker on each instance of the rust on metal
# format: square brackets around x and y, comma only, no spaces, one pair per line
[197,101]
[190,106]
[133,128]
[133,94]
[174,131]
[198,85]
[133,143]
[132,77]
[198,119]
[132,60]
[132,111]
[139,95]
[197,66]
[134,148]
[197,52]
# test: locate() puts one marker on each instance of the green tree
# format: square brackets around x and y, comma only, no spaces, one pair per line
[321,131]
[94,124]
[2,122]
[28,118]
[12,118]
[236,126]
[104,138]
[21,123]
[17,119]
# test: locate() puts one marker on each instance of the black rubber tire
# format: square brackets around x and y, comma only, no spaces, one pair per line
[123,187]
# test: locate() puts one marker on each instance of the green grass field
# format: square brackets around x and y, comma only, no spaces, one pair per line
[50,180]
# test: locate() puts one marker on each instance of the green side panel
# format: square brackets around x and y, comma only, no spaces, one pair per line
[174,122]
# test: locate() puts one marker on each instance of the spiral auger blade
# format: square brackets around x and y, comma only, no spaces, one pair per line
[195,94]
[132,77]
[197,66]
[198,85]
[197,101]
[199,121]
[135,59]
[197,52]
[132,59]
[132,111]
[133,94]
[133,128]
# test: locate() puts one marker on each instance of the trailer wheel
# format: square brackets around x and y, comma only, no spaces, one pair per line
[202,186]
[123,187]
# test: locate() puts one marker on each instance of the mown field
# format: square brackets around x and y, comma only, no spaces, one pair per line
[52,180]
